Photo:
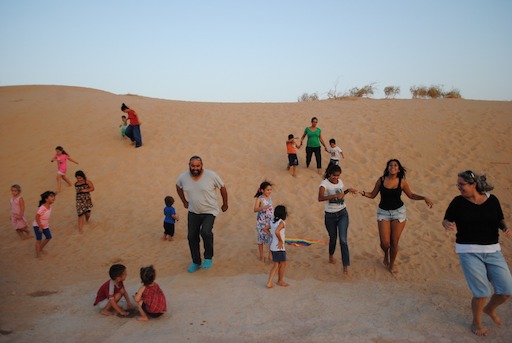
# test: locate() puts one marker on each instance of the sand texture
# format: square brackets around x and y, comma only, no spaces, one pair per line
[50,300]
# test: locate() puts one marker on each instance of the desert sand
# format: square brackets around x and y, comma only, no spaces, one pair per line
[50,300]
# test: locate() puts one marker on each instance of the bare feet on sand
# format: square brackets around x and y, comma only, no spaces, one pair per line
[493,315]
[478,329]
[282,284]
[331,259]
[345,271]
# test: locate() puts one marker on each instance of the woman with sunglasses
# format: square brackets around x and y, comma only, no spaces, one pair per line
[477,216]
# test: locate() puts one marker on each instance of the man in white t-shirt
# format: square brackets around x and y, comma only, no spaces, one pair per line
[200,186]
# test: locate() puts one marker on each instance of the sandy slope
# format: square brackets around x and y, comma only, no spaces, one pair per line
[51,300]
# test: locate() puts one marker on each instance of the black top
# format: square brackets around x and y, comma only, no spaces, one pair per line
[476,224]
[390,197]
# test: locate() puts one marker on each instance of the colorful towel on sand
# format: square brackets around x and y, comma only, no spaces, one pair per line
[298,242]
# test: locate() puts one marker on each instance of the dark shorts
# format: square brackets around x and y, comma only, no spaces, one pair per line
[279,256]
[46,232]
[293,160]
[168,229]
[149,314]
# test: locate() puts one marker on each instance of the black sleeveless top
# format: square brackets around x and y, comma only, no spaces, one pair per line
[390,197]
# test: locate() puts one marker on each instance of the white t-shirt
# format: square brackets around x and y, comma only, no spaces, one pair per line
[273,228]
[334,205]
[335,153]
[201,194]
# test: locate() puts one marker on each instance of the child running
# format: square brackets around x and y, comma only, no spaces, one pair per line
[170,218]
[335,152]
[263,206]
[83,189]
[277,230]
[150,298]
[291,149]
[61,156]
[113,290]
[18,221]
[41,223]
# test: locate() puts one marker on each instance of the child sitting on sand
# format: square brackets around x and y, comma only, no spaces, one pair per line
[276,229]
[113,290]
[150,298]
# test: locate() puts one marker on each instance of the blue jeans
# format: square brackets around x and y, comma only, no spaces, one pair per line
[200,225]
[133,132]
[337,224]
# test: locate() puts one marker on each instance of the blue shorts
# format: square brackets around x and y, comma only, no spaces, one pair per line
[399,214]
[480,269]
[46,232]
[279,256]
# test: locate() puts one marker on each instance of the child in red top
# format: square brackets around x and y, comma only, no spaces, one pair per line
[150,298]
[113,290]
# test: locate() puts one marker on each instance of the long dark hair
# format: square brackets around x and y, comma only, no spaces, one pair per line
[331,169]
[45,196]
[124,107]
[401,173]
[61,149]
[279,213]
[263,185]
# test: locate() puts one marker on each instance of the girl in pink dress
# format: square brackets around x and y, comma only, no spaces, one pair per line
[18,221]
[61,156]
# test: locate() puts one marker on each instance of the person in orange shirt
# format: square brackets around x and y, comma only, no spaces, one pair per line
[291,149]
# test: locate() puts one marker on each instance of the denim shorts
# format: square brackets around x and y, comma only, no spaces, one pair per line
[480,269]
[399,214]
[46,232]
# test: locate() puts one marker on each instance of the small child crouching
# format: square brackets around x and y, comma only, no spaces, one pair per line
[150,298]
[113,290]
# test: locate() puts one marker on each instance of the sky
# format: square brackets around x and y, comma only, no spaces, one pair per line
[258,51]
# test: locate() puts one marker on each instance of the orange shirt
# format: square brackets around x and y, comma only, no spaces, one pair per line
[290,148]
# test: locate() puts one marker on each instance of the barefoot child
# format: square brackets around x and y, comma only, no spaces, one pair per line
[170,218]
[291,149]
[114,290]
[41,223]
[150,298]
[263,206]
[19,223]
[276,229]
[61,156]
[83,189]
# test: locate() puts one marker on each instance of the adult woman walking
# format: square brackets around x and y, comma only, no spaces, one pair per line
[336,215]
[315,139]
[391,213]
[476,216]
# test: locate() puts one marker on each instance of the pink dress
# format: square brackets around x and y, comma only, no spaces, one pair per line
[18,221]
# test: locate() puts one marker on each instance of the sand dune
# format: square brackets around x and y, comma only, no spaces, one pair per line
[428,301]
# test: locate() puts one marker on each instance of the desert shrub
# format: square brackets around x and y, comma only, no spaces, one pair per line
[366,91]
[391,91]
[453,94]
[419,92]
[435,92]
[308,97]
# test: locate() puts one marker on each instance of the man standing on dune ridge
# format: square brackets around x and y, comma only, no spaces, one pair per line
[200,187]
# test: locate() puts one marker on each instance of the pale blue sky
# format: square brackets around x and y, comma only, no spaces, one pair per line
[258,51]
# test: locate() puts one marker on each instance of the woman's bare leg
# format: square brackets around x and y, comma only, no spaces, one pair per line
[396,231]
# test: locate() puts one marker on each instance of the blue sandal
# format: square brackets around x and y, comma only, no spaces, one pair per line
[207,264]
[193,267]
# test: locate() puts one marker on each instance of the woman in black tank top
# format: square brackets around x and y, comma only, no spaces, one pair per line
[391,213]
